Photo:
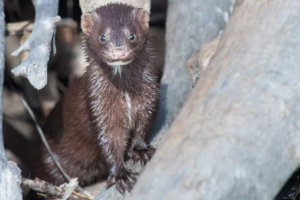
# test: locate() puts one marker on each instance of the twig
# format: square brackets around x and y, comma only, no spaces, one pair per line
[44,139]
[67,177]
[50,190]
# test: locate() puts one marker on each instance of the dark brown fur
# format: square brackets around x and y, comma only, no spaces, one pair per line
[105,116]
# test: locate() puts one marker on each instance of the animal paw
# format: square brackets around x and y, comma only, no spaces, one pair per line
[124,179]
[142,155]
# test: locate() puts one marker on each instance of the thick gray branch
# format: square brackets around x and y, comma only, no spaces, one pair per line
[39,44]
[88,5]
[10,174]
[237,137]
[190,24]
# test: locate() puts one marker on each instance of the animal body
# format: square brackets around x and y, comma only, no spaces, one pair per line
[107,115]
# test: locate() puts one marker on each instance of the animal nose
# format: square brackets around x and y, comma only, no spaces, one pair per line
[118,53]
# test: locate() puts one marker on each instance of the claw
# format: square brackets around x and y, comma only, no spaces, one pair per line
[128,187]
[110,182]
[123,179]
[120,188]
[142,155]
[146,157]
[133,173]
[122,183]
[143,162]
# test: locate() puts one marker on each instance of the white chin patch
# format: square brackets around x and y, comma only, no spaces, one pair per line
[118,63]
[117,69]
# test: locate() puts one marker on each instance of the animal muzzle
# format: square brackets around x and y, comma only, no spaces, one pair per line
[118,53]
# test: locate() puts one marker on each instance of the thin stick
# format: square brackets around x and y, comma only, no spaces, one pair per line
[44,139]
[67,177]
[41,133]
[50,190]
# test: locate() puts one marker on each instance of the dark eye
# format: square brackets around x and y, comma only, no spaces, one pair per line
[102,38]
[131,37]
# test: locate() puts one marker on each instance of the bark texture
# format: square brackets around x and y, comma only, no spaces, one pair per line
[190,24]
[88,5]
[10,174]
[199,61]
[39,44]
[237,137]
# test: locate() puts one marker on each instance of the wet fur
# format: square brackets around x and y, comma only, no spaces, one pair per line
[105,117]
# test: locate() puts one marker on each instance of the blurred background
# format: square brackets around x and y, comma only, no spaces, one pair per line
[19,131]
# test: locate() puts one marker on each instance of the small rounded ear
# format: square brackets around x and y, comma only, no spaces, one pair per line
[88,21]
[143,16]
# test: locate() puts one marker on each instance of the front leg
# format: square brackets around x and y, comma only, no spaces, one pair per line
[114,145]
[140,149]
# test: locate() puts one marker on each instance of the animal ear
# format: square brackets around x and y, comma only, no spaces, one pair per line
[88,21]
[144,17]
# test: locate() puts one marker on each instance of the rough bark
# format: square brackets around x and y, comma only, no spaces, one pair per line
[39,44]
[199,61]
[190,24]
[10,174]
[88,5]
[237,136]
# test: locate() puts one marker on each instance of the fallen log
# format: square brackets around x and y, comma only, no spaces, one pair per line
[237,136]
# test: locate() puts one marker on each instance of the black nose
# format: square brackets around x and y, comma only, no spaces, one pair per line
[119,44]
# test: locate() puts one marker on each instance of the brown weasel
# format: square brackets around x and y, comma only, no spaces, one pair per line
[107,115]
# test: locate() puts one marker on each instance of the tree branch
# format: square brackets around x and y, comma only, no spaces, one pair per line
[10,174]
[88,5]
[39,44]
[50,191]
[237,136]
[182,40]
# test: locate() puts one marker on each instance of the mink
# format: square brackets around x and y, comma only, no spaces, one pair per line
[106,116]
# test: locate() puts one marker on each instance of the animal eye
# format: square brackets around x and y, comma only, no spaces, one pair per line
[131,37]
[102,38]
